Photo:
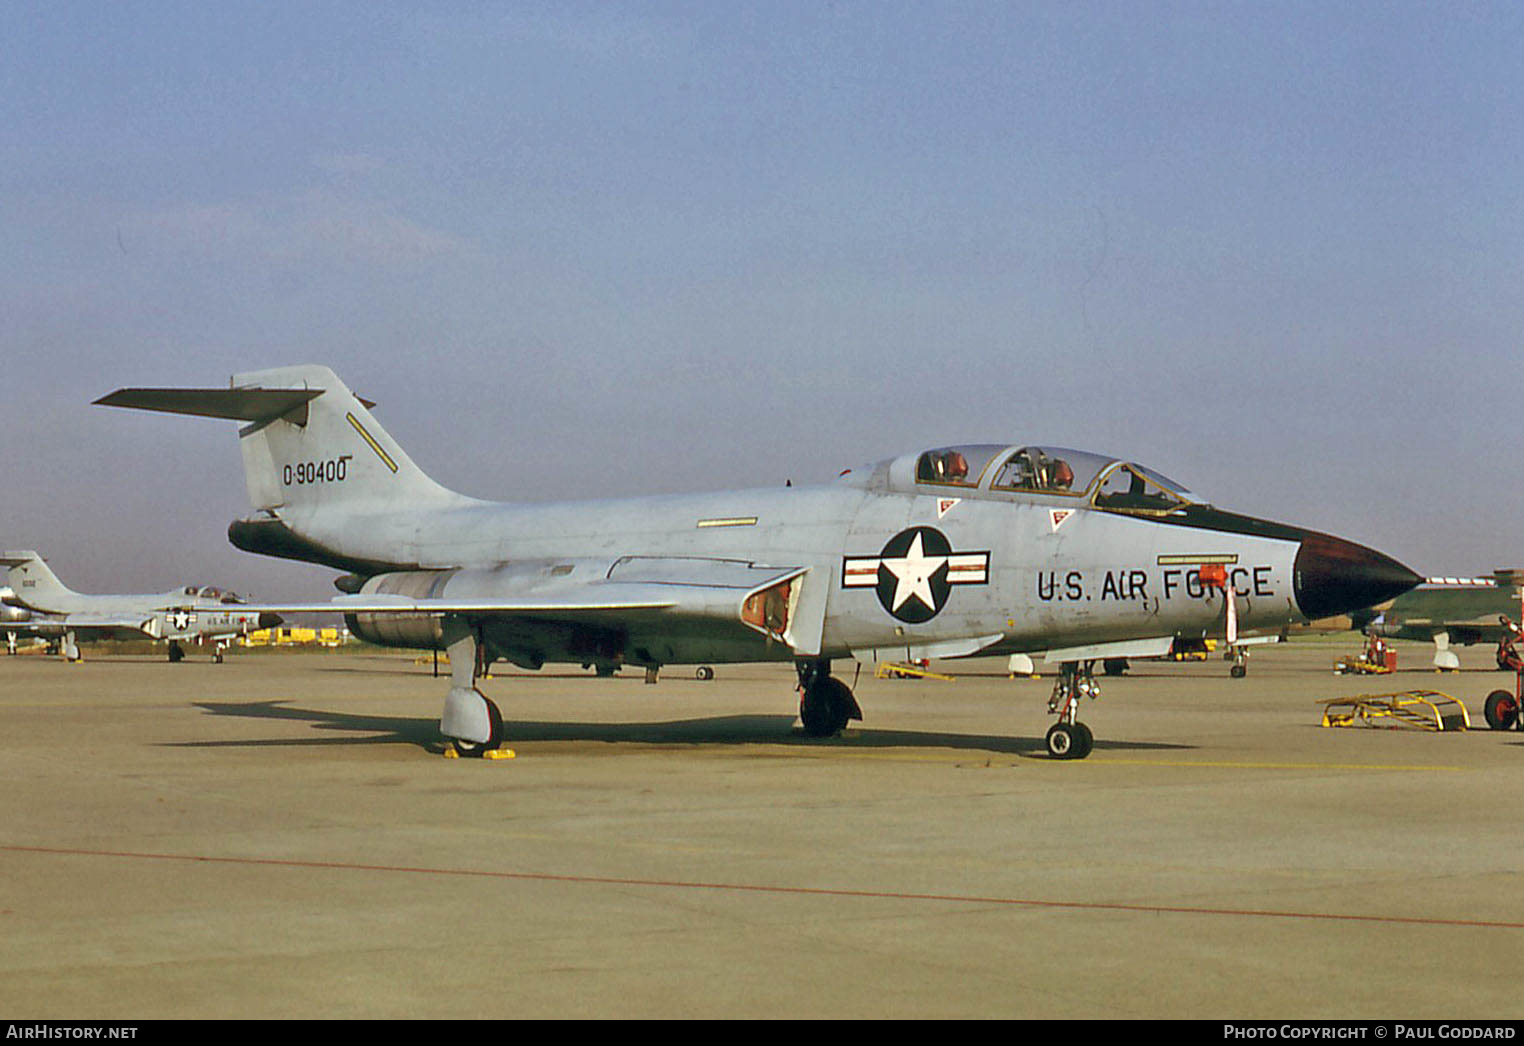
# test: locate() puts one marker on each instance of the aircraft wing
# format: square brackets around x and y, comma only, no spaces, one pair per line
[624,598]
[100,625]
[1158,646]
[1259,640]
[673,587]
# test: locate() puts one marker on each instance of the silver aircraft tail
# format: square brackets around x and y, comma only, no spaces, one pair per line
[328,451]
[310,443]
[314,459]
[34,584]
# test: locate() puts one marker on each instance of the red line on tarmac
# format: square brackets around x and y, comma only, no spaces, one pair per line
[802,891]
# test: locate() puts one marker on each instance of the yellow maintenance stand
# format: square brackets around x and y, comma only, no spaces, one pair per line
[1409,710]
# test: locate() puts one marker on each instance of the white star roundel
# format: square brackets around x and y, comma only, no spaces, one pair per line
[915,572]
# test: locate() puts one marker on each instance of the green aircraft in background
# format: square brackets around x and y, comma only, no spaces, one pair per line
[1447,611]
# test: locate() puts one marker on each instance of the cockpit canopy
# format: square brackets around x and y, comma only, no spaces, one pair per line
[208,592]
[1105,482]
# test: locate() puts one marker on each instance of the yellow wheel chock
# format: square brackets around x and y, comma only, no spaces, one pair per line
[901,670]
[1409,710]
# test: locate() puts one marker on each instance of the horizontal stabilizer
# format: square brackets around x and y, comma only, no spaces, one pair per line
[234,404]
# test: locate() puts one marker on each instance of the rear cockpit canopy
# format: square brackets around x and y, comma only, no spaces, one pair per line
[1102,481]
[208,592]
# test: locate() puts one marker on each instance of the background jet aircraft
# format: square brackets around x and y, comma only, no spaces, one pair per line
[58,613]
[15,621]
[992,549]
[1447,611]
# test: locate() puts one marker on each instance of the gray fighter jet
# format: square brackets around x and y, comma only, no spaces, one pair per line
[960,550]
[38,604]
[15,621]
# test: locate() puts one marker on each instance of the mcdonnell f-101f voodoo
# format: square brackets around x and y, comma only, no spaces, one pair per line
[959,550]
[38,604]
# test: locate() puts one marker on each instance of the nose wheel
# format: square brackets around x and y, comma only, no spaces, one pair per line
[1069,738]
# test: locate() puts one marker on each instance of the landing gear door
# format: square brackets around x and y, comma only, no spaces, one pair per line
[791,611]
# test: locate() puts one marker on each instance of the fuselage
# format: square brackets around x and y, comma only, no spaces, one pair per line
[900,566]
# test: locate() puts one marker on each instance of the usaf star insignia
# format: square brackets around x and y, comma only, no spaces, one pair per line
[915,572]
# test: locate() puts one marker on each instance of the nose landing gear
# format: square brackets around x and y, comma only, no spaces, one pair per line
[1069,738]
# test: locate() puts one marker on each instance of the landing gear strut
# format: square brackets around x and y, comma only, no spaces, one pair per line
[826,703]
[1069,738]
[1240,658]
[471,721]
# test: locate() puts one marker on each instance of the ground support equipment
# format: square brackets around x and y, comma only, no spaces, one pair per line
[1408,710]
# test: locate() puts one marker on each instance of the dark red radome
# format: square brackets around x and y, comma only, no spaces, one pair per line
[1334,576]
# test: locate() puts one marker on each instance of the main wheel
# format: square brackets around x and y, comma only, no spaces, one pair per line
[475,749]
[703,672]
[1501,710]
[826,707]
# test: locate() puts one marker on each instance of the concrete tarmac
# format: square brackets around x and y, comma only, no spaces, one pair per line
[280,836]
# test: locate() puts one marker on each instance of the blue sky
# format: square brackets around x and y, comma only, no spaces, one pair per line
[1274,250]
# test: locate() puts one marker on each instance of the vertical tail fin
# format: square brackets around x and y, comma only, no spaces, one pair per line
[310,441]
[328,451]
[34,583]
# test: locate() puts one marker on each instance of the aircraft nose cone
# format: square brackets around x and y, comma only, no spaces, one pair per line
[1334,576]
[268,620]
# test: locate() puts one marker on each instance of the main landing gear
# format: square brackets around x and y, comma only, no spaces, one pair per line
[1069,738]
[826,703]
[471,720]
